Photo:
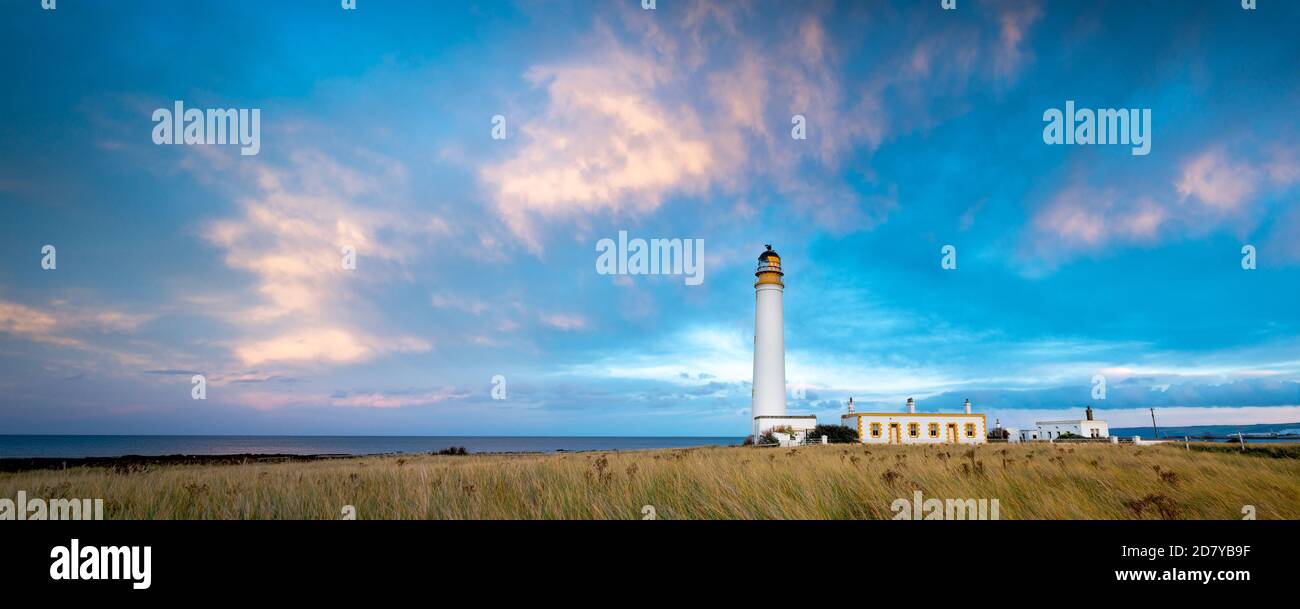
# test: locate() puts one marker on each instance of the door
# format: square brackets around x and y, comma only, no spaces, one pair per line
[895,434]
[952,433]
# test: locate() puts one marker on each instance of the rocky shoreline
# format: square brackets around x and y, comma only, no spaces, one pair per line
[136,462]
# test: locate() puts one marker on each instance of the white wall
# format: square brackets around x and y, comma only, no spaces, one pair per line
[769,352]
[1103,430]
[799,424]
[1051,430]
[923,421]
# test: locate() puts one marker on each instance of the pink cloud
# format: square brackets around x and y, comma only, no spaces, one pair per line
[623,127]
[31,323]
[604,144]
[1080,218]
[1076,218]
[565,322]
[1073,222]
[62,323]
[1016,18]
[290,236]
[1218,182]
[333,345]
[1143,221]
[1217,192]
[1284,168]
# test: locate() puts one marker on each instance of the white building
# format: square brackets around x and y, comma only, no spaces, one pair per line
[1010,434]
[768,405]
[1086,427]
[912,427]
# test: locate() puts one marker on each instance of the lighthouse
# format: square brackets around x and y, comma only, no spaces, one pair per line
[769,342]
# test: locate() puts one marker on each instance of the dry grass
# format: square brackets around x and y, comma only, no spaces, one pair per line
[1037,481]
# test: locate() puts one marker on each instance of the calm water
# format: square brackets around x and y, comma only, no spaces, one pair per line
[114,446]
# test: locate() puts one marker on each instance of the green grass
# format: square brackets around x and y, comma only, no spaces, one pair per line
[1030,481]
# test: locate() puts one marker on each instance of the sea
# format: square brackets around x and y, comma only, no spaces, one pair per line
[15,446]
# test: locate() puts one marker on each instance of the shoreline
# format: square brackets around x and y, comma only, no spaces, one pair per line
[41,451]
[126,463]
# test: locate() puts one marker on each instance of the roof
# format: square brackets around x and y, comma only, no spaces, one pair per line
[913,414]
[770,253]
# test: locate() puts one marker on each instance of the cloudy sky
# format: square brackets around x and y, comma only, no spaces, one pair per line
[476,256]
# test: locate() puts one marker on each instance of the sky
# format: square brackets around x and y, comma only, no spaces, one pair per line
[476,256]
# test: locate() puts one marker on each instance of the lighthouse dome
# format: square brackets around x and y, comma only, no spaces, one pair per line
[769,267]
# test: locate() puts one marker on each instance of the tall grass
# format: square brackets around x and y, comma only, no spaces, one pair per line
[1030,481]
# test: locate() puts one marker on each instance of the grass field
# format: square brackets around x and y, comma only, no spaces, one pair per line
[1030,481]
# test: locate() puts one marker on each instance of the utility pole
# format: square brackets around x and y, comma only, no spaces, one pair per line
[1155,431]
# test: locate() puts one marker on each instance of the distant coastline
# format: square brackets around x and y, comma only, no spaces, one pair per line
[107,450]
[1259,431]
[235,448]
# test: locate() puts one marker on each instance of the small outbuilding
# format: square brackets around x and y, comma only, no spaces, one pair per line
[1086,427]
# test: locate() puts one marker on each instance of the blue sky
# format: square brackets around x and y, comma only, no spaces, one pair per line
[476,256]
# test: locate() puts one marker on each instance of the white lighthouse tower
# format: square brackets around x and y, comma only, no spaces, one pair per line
[769,343]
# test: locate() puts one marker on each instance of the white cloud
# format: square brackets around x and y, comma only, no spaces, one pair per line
[289,235]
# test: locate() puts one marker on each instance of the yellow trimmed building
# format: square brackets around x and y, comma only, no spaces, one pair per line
[912,427]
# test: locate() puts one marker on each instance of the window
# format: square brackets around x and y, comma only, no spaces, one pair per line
[875,430]
[913,430]
[970,430]
[934,430]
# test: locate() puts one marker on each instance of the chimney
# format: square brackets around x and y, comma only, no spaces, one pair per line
[911,406]
[1089,413]
[850,405]
[968,406]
